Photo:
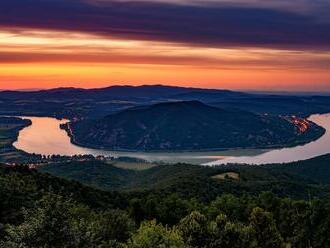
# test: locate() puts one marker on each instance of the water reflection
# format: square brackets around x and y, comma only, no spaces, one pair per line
[45,137]
[310,150]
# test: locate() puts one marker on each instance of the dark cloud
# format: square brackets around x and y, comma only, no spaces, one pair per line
[207,25]
[266,61]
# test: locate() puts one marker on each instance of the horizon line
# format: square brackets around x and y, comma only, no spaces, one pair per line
[164,85]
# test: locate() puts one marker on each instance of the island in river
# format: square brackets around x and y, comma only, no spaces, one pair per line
[190,126]
[45,137]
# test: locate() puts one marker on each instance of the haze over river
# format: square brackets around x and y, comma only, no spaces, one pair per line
[45,137]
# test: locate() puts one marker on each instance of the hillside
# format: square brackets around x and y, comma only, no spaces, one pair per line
[137,93]
[39,210]
[200,182]
[316,169]
[96,103]
[189,125]
[9,129]
[99,102]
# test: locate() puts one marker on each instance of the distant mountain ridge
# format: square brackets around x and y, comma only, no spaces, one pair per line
[116,92]
[187,125]
[72,103]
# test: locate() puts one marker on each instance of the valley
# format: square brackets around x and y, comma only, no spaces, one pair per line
[240,135]
[115,205]
[53,191]
[164,124]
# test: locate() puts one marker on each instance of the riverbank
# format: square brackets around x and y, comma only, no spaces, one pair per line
[47,138]
[9,131]
[314,133]
[287,155]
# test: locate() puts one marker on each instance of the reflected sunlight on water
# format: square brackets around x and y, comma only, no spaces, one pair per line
[45,137]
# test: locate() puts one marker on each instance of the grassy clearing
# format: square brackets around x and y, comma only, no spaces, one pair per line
[226,175]
[133,165]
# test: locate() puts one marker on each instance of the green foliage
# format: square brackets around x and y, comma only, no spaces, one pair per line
[57,222]
[228,234]
[229,205]
[151,234]
[265,229]
[94,173]
[46,225]
[315,169]
[39,210]
[172,209]
[189,181]
[194,229]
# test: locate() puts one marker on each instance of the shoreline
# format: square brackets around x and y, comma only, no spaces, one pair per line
[193,157]
[68,130]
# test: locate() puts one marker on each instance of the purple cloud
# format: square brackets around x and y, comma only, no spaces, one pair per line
[216,24]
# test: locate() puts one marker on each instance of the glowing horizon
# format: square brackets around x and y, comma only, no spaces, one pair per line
[94,52]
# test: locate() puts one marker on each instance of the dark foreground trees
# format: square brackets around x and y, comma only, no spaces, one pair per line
[38,211]
[58,222]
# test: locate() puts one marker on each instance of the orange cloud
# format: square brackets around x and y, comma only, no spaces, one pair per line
[35,58]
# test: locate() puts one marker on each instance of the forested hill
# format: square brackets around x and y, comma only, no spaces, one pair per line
[316,169]
[202,182]
[188,125]
[182,206]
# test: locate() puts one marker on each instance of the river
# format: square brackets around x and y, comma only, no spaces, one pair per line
[45,137]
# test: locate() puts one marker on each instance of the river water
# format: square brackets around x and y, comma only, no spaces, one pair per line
[45,137]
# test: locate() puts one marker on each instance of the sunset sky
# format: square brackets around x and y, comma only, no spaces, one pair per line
[234,44]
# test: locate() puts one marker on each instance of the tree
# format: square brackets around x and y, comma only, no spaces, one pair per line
[44,226]
[293,219]
[227,234]
[266,232]
[136,210]
[320,224]
[114,225]
[194,230]
[150,234]
[227,204]
[103,229]
[172,209]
